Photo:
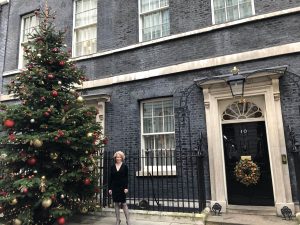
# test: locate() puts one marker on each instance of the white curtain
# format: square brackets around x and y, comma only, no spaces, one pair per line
[85,26]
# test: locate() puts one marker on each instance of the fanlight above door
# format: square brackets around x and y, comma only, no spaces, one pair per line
[242,110]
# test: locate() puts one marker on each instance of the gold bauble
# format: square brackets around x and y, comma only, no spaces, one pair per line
[90,134]
[91,168]
[13,202]
[17,222]
[80,99]
[84,209]
[46,202]
[37,143]
[53,155]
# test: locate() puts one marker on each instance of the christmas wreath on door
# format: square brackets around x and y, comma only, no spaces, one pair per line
[247,172]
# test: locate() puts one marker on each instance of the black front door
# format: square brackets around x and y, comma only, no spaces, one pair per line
[247,139]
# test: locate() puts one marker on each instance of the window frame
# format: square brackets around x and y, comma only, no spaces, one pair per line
[156,170]
[75,28]
[213,12]
[21,61]
[141,14]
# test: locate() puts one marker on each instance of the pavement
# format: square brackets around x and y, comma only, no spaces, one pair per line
[112,221]
[142,218]
[163,218]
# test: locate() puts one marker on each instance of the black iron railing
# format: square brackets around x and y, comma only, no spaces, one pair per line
[160,180]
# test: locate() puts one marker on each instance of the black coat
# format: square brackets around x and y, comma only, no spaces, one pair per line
[118,182]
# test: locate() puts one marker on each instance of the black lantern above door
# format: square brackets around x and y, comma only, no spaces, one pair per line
[236,83]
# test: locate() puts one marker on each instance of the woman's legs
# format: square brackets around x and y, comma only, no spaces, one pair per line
[117,211]
[126,212]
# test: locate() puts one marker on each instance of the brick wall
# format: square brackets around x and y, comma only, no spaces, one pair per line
[3,27]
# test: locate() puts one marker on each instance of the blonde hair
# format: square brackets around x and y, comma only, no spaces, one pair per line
[120,153]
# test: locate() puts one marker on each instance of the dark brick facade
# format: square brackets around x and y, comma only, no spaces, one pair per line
[118,27]
[3,28]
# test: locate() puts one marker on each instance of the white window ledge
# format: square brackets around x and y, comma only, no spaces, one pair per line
[2,2]
[145,173]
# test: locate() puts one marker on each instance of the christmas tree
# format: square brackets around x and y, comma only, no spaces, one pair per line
[51,141]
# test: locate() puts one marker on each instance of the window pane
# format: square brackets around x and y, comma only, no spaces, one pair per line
[147,122]
[169,123]
[149,142]
[245,10]
[157,109]
[168,108]
[147,27]
[93,3]
[220,16]
[158,124]
[86,17]
[170,158]
[161,157]
[170,142]
[159,142]
[79,6]
[232,13]
[165,23]
[164,3]
[231,2]
[86,40]
[154,4]
[147,109]
[144,6]
[218,4]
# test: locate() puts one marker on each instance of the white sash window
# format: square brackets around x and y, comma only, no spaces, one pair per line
[85,27]
[154,19]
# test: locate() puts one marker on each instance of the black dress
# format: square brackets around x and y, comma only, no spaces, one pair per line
[118,182]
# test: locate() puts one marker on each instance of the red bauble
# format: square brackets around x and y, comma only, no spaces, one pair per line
[54,93]
[50,76]
[61,220]
[12,137]
[31,161]
[42,99]
[9,123]
[60,133]
[87,181]
[46,114]
[24,190]
[61,63]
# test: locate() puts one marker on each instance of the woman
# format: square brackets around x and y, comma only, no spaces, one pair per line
[118,186]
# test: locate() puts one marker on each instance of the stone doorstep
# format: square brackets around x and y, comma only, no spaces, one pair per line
[244,219]
[252,210]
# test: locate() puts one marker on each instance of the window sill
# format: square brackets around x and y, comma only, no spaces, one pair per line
[2,2]
[146,173]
